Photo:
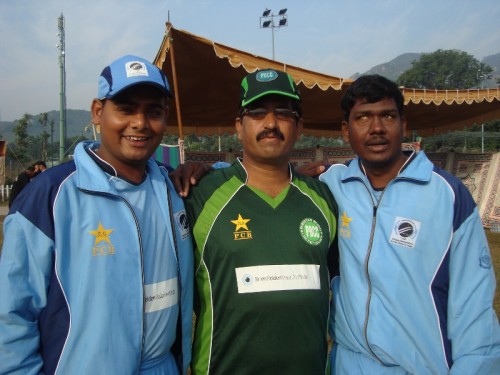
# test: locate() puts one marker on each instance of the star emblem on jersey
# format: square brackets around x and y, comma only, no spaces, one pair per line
[345,220]
[241,232]
[102,243]
[345,230]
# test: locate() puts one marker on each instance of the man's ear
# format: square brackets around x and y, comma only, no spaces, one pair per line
[238,126]
[345,131]
[96,111]
[300,127]
[403,126]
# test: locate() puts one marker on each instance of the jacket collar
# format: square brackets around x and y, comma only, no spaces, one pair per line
[93,173]
[418,168]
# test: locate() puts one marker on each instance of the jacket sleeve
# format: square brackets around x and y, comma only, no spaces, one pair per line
[24,279]
[184,246]
[472,323]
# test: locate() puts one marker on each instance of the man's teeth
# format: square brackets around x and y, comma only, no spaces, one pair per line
[137,138]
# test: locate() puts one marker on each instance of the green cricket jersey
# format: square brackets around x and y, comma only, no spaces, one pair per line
[262,275]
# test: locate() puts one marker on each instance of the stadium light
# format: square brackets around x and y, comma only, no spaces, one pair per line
[267,21]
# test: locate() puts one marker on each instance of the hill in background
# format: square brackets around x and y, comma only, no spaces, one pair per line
[77,121]
[394,68]
[494,62]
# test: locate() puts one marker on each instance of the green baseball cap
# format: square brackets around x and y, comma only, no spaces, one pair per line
[266,82]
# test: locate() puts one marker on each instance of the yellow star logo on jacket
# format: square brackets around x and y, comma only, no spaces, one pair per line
[345,220]
[345,230]
[102,235]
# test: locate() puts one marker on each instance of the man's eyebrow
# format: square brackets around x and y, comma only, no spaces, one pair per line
[374,111]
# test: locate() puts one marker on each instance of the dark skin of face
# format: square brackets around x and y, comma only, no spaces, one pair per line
[375,132]
[132,126]
[268,140]
[267,144]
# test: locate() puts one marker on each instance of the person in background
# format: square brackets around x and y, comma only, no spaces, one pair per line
[40,167]
[22,180]
[98,279]
[265,246]
[416,286]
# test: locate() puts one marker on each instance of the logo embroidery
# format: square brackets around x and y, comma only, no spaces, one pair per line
[485,259]
[182,223]
[136,68]
[241,232]
[345,230]
[405,232]
[102,235]
[266,76]
[311,231]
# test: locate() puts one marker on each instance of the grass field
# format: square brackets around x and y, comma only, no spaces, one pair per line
[493,240]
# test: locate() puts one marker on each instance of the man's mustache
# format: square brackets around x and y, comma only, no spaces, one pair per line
[270,132]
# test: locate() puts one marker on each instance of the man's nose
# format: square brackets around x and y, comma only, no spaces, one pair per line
[270,119]
[139,120]
[377,125]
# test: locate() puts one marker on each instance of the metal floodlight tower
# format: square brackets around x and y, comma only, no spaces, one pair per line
[267,21]
[62,92]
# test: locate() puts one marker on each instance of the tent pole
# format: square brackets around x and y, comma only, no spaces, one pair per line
[177,101]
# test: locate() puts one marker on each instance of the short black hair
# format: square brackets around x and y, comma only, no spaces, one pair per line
[372,88]
[41,162]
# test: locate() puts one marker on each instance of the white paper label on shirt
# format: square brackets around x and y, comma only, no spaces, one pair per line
[277,277]
[405,232]
[161,295]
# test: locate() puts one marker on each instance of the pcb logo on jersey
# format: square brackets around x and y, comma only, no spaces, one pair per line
[102,242]
[241,231]
[311,231]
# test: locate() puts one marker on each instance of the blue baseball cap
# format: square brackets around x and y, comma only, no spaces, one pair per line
[129,71]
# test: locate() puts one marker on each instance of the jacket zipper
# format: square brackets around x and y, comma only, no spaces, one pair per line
[142,259]
[367,273]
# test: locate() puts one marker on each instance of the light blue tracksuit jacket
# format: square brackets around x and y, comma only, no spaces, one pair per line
[416,286]
[67,306]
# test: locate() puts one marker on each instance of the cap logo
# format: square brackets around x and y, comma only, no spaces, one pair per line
[136,68]
[266,76]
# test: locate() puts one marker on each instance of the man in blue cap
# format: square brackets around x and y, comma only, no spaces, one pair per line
[97,279]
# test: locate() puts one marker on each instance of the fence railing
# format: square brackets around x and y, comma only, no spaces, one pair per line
[5,192]
[495,226]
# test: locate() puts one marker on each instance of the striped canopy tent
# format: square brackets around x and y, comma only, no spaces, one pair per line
[206,76]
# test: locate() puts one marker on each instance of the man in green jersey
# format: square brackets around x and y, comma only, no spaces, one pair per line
[266,246]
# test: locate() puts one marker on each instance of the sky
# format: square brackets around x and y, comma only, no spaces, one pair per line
[335,37]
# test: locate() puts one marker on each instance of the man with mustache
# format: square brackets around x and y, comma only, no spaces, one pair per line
[416,282]
[265,246]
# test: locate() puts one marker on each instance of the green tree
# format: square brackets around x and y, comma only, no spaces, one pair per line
[445,70]
[21,142]
[471,139]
